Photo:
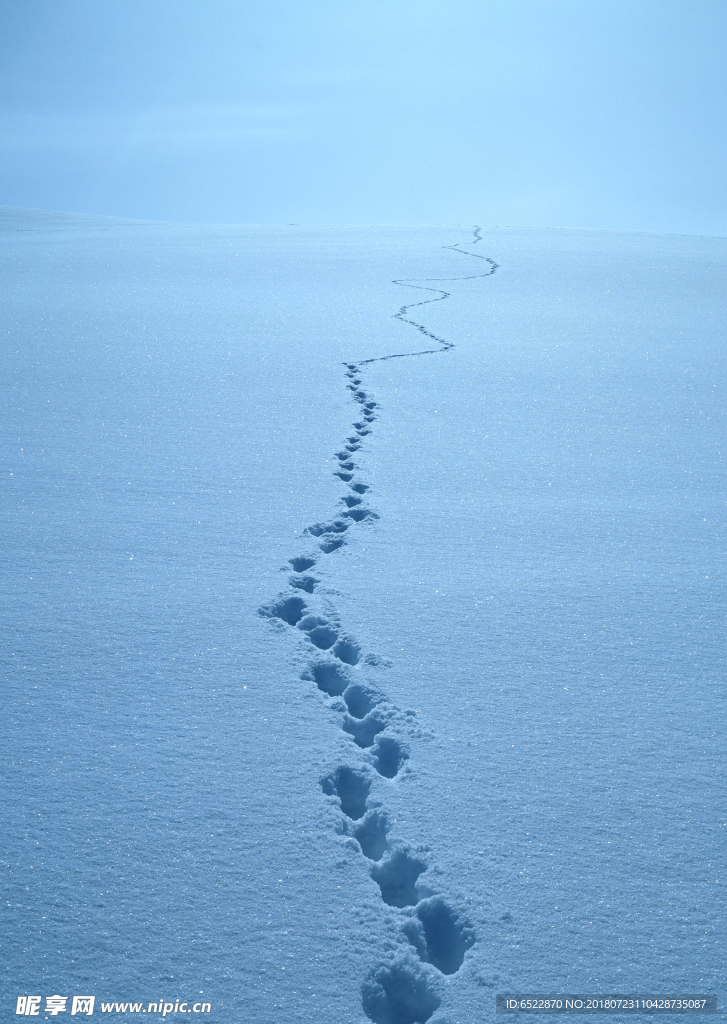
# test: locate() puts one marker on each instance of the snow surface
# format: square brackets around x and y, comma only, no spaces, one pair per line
[476,748]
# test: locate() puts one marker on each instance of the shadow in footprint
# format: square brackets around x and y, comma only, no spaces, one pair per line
[329,676]
[306,583]
[347,651]
[438,935]
[301,564]
[311,620]
[399,993]
[289,609]
[319,630]
[396,877]
[327,546]
[389,755]
[324,637]
[359,700]
[351,500]
[344,476]
[348,465]
[359,488]
[371,835]
[351,788]
[321,529]
[359,514]
[364,732]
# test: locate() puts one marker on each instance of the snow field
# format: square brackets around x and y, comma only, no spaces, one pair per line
[473,743]
[398,991]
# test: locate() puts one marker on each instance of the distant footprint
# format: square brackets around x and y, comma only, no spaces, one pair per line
[306,583]
[301,564]
[288,609]
[327,546]
[359,514]
[318,529]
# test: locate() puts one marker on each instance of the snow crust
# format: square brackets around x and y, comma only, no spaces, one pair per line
[352,688]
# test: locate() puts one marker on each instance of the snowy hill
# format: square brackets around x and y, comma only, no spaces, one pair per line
[344,687]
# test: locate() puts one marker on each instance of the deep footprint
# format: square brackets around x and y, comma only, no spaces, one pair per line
[319,630]
[310,621]
[289,609]
[438,935]
[302,563]
[363,732]
[396,877]
[331,545]
[330,677]
[351,788]
[347,651]
[306,583]
[359,700]
[321,529]
[324,637]
[398,993]
[359,514]
[372,835]
[389,756]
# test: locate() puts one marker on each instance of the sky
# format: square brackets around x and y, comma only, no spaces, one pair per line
[600,114]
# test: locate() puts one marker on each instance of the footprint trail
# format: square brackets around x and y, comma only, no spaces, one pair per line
[432,937]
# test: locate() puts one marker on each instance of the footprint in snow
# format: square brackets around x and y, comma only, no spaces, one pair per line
[400,991]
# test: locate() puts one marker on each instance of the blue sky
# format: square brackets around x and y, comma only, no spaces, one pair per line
[592,113]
